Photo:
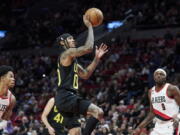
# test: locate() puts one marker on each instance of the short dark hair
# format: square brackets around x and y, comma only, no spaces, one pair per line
[5,69]
[63,37]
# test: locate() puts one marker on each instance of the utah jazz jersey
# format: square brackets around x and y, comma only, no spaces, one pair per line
[56,119]
[68,77]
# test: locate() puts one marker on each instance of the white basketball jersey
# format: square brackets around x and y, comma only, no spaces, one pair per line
[164,107]
[4,103]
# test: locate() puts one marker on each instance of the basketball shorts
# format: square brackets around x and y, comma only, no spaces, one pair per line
[70,105]
[163,128]
[46,132]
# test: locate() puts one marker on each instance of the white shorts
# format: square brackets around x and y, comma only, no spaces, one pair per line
[3,124]
[163,128]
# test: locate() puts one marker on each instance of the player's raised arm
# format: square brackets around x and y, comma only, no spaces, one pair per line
[87,72]
[69,44]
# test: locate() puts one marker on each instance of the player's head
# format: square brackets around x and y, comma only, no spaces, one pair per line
[160,76]
[7,76]
[66,40]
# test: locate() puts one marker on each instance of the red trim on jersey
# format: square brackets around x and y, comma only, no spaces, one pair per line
[10,98]
[3,97]
[171,97]
[158,90]
[161,114]
[176,130]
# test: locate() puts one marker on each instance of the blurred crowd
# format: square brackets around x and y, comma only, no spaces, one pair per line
[119,85]
[30,25]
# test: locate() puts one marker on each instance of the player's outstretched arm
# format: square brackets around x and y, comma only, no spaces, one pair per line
[45,114]
[68,55]
[8,113]
[147,120]
[86,73]
[173,91]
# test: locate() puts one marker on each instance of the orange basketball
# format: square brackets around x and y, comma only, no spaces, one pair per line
[95,16]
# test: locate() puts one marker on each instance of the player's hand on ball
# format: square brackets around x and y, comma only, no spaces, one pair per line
[86,21]
[101,50]
[95,16]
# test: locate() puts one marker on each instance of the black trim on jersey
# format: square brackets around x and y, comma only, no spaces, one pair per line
[161,118]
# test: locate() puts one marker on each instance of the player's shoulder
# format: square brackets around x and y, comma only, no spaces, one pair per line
[52,100]
[149,92]
[12,99]
[172,87]
[66,57]
[68,52]
[11,96]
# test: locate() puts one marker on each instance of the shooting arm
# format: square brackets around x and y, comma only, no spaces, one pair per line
[67,57]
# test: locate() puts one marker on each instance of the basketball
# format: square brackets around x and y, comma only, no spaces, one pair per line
[95,16]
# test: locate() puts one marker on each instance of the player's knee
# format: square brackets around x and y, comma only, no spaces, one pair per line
[75,131]
[78,131]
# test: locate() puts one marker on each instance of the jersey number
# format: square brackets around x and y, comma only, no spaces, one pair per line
[59,77]
[163,106]
[58,118]
[75,81]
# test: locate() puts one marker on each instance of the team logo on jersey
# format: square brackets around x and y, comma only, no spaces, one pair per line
[75,67]
[159,99]
[3,107]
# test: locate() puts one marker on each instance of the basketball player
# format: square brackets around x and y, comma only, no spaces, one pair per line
[164,106]
[67,100]
[52,119]
[7,99]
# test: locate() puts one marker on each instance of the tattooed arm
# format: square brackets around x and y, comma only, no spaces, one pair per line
[67,57]
[86,73]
